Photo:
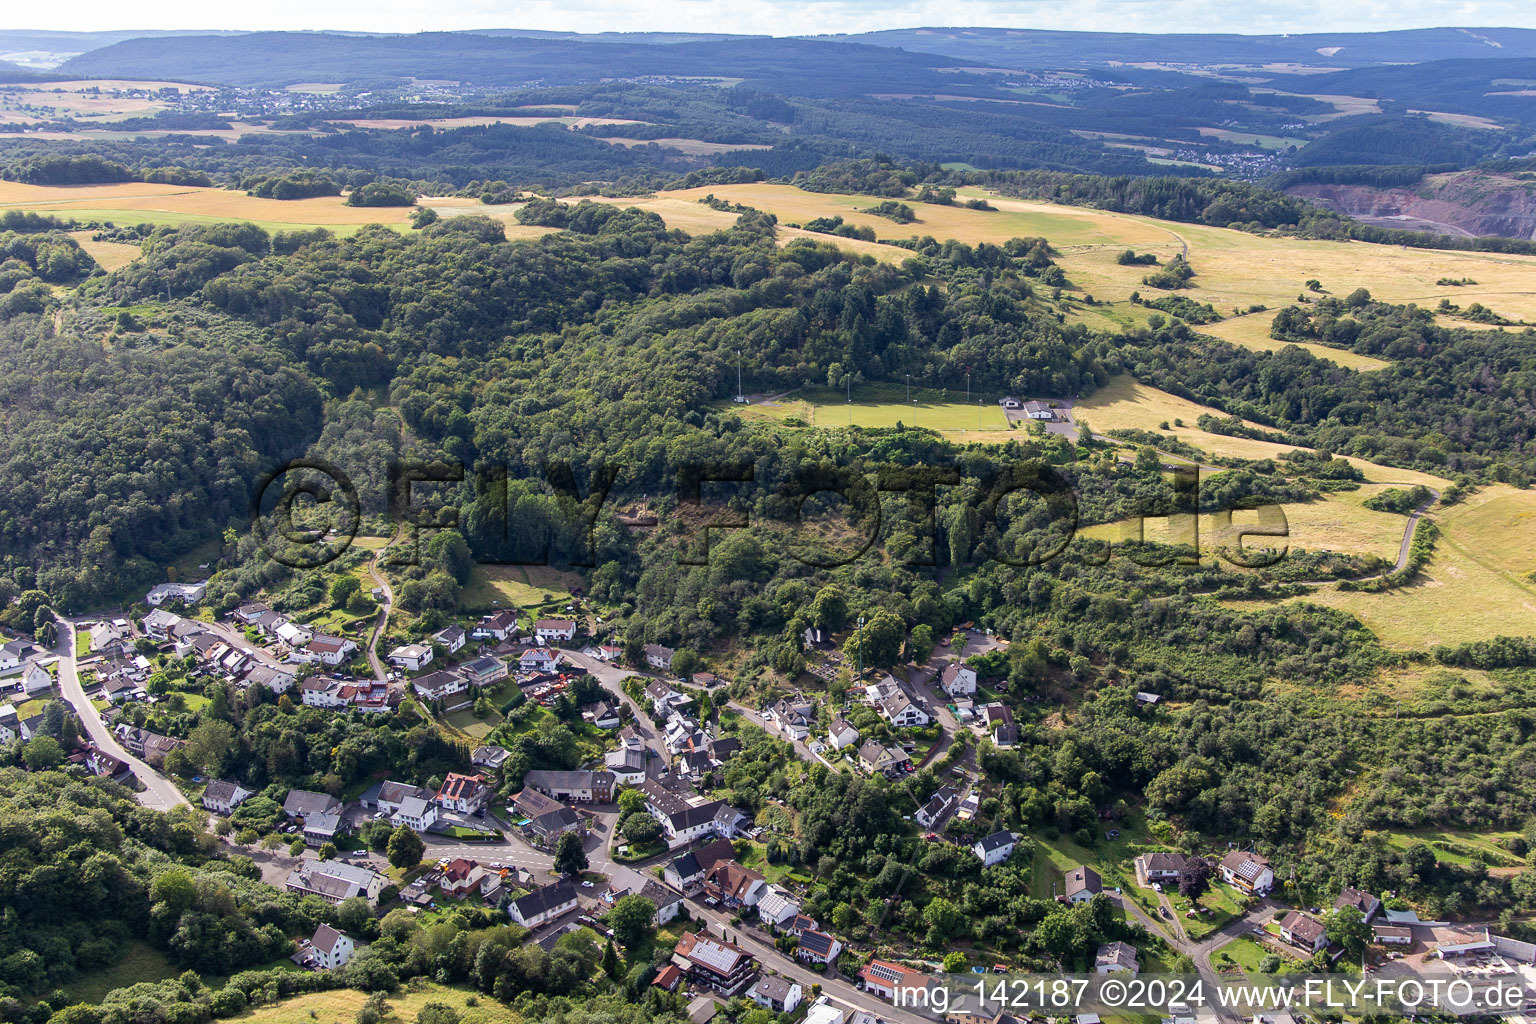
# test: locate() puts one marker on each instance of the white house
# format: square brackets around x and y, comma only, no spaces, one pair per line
[411,657]
[327,650]
[550,630]
[187,593]
[1303,930]
[659,657]
[957,680]
[293,634]
[781,995]
[495,627]
[222,796]
[35,679]
[335,880]
[938,805]
[416,813]
[441,686]
[1247,871]
[537,659]
[452,638]
[331,948]
[465,794]
[995,848]
[13,653]
[1083,884]
[543,905]
[841,734]
[776,907]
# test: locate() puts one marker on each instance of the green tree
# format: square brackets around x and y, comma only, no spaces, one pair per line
[570,855]
[342,589]
[209,744]
[883,634]
[42,753]
[1347,926]
[955,963]
[405,848]
[945,921]
[641,828]
[437,1013]
[631,919]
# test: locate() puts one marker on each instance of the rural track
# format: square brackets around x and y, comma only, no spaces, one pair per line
[385,607]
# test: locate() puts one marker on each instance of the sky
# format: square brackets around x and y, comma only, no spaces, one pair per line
[781,17]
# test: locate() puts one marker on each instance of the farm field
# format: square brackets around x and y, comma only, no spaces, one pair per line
[517,586]
[109,255]
[140,202]
[1252,332]
[693,147]
[476,122]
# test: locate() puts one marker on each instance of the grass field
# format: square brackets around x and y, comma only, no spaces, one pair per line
[141,963]
[1473,588]
[475,122]
[1252,331]
[341,1006]
[1337,523]
[517,586]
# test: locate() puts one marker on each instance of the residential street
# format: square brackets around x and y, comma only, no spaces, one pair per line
[159,792]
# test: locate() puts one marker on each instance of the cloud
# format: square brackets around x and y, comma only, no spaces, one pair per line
[792,17]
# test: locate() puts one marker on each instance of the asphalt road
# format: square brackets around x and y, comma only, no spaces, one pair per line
[159,792]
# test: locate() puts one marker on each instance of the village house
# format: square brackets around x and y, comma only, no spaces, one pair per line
[151,746]
[575,786]
[459,877]
[995,848]
[1163,868]
[841,734]
[817,946]
[957,680]
[410,657]
[465,794]
[35,679]
[417,813]
[452,638]
[274,679]
[776,908]
[719,966]
[388,796]
[792,720]
[483,672]
[543,905]
[667,901]
[537,659]
[489,757]
[222,796]
[873,757]
[885,979]
[495,627]
[900,706]
[335,880]
[735,885]
[1303,930]
[1364,902]
[447,687]
[301,803]
[626,765]
[1116,958]
[781,995]
[327,650]
[1248,871]
[157,626]
[938,805]
[1083,884]
[330,948]
[550,630]
[183,593]
[603,715]
[686,872]
[659,657]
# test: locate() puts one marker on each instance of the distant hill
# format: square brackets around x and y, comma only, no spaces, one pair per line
[1033,48]
[278,58]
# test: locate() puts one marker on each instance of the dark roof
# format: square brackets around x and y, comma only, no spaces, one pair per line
[1084,879]
[816,942]
[996,841]
[546,899]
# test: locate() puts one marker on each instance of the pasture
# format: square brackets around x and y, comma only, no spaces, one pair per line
[1251,331]
[340,1006]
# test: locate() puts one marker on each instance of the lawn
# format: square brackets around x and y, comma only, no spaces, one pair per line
[466,722]
[517,586]
[1110,858]
[340,1006]
[885,405]
[141,963]
[1462,848]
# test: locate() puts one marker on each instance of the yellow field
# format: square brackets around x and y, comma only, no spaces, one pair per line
[135,202]
[1338,523]
[1252,331]
[340,1007]
[108,255]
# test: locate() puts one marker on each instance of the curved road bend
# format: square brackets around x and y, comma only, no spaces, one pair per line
[159,792]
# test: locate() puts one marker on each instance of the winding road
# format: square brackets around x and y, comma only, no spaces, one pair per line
[379,672]
[159,793]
